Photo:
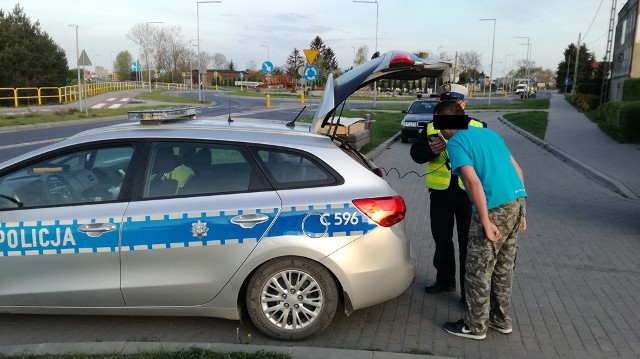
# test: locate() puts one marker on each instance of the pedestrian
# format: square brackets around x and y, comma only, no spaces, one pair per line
[495,183]
[449,205]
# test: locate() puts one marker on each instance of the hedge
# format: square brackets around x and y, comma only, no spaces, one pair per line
[623,116]
[631,90]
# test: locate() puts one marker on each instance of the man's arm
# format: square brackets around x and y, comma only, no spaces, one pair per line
[476,192]
[518,169]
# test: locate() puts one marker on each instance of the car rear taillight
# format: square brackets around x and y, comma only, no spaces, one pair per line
[378,172]
[385,211]
[401,59]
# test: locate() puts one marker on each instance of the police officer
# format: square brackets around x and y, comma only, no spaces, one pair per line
[449,204]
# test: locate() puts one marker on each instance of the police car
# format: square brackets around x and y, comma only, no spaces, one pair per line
[176,215]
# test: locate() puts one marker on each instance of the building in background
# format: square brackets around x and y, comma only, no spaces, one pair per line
[625,61]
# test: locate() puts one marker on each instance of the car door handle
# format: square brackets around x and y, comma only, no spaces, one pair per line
[249,220]
[96,229]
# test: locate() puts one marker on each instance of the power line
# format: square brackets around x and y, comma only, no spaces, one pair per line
[594,19]
[601,36]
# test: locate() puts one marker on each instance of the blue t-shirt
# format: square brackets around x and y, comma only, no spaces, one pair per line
[486,152]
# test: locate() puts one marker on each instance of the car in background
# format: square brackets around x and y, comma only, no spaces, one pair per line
[417,116]
[175,215]
[500,91]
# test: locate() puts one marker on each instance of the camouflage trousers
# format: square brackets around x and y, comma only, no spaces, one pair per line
[489,268]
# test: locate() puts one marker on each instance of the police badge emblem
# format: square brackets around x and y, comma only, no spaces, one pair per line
[199,229]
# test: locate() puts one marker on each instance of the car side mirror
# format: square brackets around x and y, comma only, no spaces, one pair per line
[403,111]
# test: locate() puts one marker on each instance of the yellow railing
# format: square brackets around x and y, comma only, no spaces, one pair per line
[66,94]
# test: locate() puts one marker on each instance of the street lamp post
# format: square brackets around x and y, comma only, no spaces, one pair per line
[198,26]
[526,69]
[78,67]
[267,46]
[504,69]
[375,88]
[492,50]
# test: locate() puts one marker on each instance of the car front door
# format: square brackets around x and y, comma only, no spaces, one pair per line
[60,220]
[202,210]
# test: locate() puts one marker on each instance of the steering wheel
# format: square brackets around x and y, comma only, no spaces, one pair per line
[12,200]
[59,189]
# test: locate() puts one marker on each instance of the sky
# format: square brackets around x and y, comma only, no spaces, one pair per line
[252,30]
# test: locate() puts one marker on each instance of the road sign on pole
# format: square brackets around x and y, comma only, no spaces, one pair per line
[267,67]
[311,55]
[311,73]
[83,60]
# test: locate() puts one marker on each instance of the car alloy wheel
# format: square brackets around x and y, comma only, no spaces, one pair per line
[291,298]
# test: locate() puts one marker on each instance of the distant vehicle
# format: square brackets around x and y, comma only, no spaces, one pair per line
[521,88]
[417,116]
[499,91]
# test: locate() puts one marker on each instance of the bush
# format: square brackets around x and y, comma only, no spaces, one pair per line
[623,117]
[631,90]
[590,88]
[586,102]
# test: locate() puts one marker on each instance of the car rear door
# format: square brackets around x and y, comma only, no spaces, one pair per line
[181,246]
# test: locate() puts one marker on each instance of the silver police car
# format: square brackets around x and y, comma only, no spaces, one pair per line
[172,215]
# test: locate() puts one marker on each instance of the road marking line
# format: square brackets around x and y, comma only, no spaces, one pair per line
[115,105]
[32,143]
[124,99]
[111,98]
[100,105]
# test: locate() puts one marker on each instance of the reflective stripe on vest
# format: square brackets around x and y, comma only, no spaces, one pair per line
[437,174]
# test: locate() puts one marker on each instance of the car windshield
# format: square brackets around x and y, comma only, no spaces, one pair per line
[422,107]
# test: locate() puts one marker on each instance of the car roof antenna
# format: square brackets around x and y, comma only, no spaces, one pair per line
[229,120]
[293,123]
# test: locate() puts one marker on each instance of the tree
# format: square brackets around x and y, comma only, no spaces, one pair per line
[29,57]
[122,66]
[585,72]
[251,65]
[232,67]
[219,61]
[469,60]
[325,61]
[362,55]
[142,34]
[294,61]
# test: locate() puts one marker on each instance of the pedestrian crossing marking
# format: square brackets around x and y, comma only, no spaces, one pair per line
[124,99]
[99,105]
[115,105]
[111,99]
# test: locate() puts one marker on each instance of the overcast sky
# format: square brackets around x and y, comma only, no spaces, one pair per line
[238,28]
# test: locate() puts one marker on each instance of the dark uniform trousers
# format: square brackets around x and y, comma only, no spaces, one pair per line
[450,207]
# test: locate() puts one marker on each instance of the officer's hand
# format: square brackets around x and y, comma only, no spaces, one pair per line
[491,231]
[437,147]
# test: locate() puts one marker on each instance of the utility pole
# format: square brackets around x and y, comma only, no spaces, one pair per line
[575,72]
[604,90]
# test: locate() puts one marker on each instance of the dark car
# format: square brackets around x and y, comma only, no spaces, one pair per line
[417,116]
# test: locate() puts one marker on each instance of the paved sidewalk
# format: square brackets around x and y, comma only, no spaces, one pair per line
[573,133]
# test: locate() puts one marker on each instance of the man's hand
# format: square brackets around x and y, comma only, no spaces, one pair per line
[523,225]
[437,147]
[491,231]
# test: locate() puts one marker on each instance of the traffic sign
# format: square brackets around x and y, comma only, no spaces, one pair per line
[267,67]
[471,79]
[480,79]
[84,59]
[241,75]
[134,66]
[311,55]
[311,73]
[163,71]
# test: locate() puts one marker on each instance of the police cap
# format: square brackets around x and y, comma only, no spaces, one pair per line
[452,92]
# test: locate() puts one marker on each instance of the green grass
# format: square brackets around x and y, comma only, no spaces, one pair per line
[188,354]
[519,104]
[534,122]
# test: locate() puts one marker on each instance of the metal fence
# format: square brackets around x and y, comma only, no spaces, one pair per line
[59,95]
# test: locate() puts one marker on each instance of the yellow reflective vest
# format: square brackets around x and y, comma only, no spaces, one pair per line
[438,176]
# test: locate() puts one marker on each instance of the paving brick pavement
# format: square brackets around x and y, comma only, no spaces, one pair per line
[576,289]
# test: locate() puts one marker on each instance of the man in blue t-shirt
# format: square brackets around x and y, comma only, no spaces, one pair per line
[495,184]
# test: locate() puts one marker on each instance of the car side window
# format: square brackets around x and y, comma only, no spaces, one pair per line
[294,169]
[186,169]
[67,179]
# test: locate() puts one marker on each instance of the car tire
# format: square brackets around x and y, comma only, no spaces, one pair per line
[404,138]
[279,314]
